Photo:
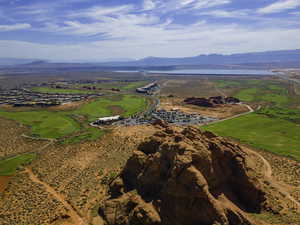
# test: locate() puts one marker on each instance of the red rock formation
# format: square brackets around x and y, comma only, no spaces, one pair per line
[184,178]
[212,101]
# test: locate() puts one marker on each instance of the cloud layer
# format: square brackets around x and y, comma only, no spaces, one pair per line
[81,30]
[13,27]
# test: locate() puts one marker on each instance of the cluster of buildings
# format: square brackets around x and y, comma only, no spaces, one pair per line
[148,89]
[180,118]
[67,83]
[174,117]
[24,97]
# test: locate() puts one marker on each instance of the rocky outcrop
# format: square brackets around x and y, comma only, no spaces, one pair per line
[212,101]
[184,177]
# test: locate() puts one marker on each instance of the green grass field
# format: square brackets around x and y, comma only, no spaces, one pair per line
[247,95]
[292,115]
[276,135]
[263,91]
[60,91]
[45,124]
[226,83]
[274,127]
[134,85]
[88,134]
[130,104]
[59,124]
[125,86]
[8,167]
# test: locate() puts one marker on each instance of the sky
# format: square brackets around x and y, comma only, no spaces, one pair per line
[100,30]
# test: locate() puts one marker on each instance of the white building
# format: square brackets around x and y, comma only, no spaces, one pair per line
[107,120]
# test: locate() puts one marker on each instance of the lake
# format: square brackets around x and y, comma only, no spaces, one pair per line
[205,72]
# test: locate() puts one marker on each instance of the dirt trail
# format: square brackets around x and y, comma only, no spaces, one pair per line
[220,91]
[77,219]
[269,177]
[4,182]
[232,117]
[267,165]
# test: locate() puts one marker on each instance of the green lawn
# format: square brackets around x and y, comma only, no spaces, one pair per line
[134,85]
[60,90]
[247,95]
[276,135]
[292,115]
[125,86]
[226,83]
[59,124]
[45,124]
[232,83]
[267,91]
[88,134]
[9,166]
[274,127]
[131,104]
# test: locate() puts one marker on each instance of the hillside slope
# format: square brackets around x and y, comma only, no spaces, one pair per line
[185,176]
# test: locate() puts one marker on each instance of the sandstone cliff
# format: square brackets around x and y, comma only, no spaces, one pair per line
[185,177]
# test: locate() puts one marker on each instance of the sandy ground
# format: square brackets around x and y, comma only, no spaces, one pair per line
[3,182]
[76,218]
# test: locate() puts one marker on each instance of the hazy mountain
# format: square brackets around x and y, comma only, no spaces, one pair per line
[270,59]
[218,59]
[15,61]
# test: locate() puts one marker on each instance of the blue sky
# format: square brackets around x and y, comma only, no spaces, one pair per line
[96,30]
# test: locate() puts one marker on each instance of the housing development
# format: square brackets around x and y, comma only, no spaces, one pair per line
[25,97]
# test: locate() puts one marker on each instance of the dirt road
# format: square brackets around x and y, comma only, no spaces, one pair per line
[268,176]
[232,117]
[77,219]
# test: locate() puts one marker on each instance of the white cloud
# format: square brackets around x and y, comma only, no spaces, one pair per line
[280,6]
[18,26]
[209,3]
[98,11]
[136,31]
[172,5]
[122,26]
[163,40]
[149,4]
[226,14]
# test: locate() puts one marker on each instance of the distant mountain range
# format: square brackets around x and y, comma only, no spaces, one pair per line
[217,59]
[15,61]
[269,59]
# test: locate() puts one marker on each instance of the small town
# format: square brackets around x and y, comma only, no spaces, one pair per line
[174,116]
[25,97]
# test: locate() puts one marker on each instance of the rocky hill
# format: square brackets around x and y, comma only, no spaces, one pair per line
[188,177]
[211,101]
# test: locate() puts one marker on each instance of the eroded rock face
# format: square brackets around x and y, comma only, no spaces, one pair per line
[212,101]
[184,177]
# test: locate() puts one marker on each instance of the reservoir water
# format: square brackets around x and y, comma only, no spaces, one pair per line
[204,72]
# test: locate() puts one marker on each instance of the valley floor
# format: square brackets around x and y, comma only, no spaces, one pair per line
[66,180]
